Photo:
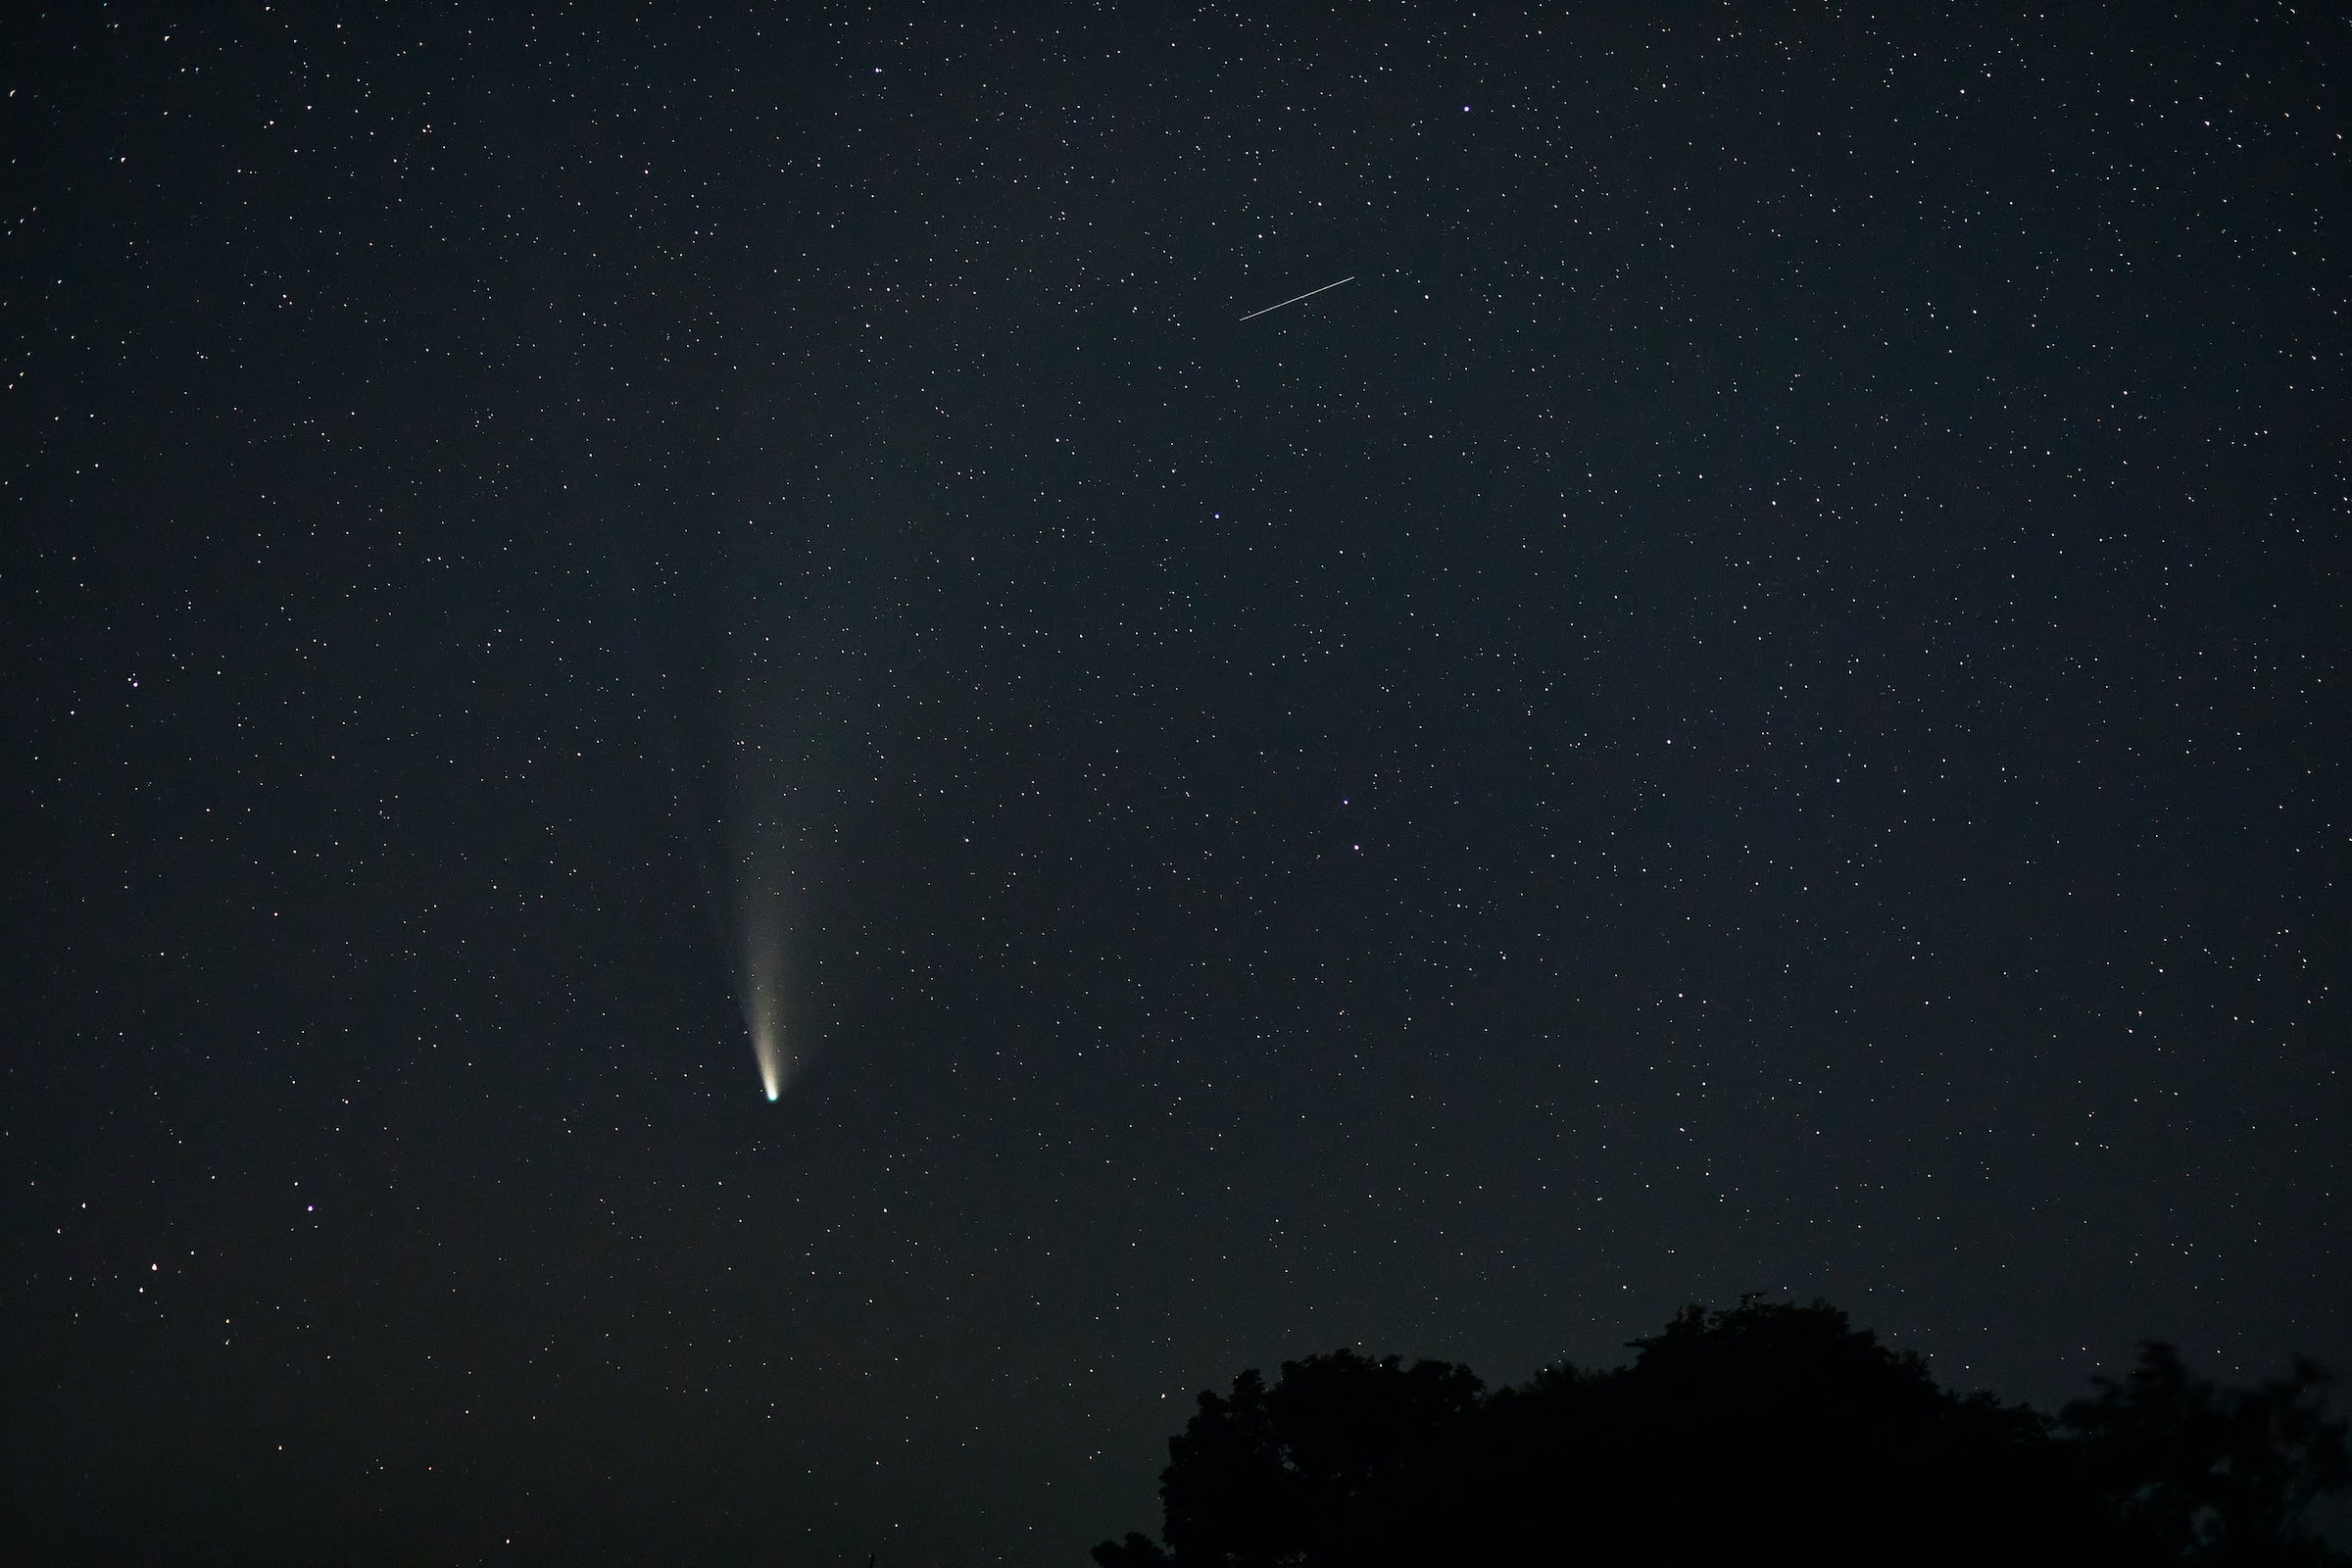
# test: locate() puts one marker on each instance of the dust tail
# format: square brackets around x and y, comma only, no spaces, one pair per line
[754,943]
[763,978]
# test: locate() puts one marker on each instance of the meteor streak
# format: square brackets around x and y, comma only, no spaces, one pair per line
[1309,295]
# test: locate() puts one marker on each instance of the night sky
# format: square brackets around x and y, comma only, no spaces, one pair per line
[1758,703]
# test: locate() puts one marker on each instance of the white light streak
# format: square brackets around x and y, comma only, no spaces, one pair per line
[763,1015]
[1294,299]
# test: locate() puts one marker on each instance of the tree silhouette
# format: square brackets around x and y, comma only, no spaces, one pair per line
[2204,1475]
[1340,1457]
[1769,1431]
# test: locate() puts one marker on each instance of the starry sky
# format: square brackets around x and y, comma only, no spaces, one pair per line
[1757,704]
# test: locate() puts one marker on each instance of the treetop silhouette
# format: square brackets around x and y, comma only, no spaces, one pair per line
[1771,1431]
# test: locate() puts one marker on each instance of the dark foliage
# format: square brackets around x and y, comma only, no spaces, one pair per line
[1345,1457]
[1768,1432]
[2206,1475]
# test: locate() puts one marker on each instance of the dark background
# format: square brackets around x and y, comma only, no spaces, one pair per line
[1756,705]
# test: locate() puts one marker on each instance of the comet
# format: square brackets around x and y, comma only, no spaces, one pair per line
[761,978]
